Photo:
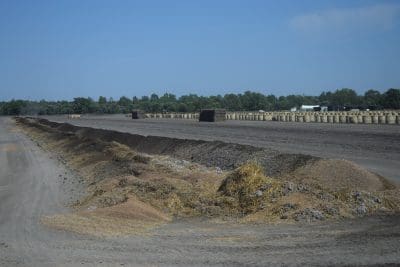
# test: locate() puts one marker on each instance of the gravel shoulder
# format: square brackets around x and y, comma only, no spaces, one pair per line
[375,147]
[31,186]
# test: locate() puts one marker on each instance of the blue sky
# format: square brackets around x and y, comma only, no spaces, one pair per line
[63,49]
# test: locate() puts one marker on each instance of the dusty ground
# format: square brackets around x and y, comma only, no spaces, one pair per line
[376,147]
[296,188]
[32,184]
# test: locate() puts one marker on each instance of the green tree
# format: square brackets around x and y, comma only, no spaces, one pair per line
[154,97]
[283,103]
[192,101]
[271,102]
[182,107]
[168,102]
[102,101]
[252,101]
[125,104]
[232,102]
[345,97]
[372,98]
[391,99]
[14,107]
[83,105]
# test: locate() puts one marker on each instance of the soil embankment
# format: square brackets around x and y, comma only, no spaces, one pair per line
[219,154]
[374,147]
[161,178]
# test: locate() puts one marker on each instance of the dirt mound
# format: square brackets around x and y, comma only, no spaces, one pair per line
[131,217]
[226,156]
[66,127]
[338,175]
[263,186]
[262,198]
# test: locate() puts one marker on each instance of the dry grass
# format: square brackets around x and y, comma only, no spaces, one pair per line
[250,187]
[131,217]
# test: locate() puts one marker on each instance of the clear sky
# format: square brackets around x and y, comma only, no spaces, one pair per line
[63,49]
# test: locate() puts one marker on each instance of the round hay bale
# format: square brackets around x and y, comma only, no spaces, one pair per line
[353,119]
[382,119]
[375,119]
[336,118]
[367,119]
[390,119]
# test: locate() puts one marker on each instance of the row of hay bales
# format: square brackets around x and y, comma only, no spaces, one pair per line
[392,117]
[191,116]
[365,117]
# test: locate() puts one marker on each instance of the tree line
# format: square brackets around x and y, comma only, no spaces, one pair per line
[248,101]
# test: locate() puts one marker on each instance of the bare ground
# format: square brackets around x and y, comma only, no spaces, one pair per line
[375,147]
[31,186]
[300,187]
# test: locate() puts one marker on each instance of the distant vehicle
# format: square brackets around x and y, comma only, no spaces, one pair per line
[308,107]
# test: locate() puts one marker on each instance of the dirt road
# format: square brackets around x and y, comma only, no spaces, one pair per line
[31,186]
[376,147]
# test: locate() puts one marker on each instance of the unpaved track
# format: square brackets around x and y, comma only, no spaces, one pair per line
[376,147]
[30,186]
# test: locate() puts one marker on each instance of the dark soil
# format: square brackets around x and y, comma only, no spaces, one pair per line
[226,156]
[375,147]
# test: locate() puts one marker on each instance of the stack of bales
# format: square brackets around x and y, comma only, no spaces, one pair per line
[212,115]
[138,114]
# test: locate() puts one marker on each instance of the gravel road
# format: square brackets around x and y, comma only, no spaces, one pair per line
[31,186]
[376,147]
